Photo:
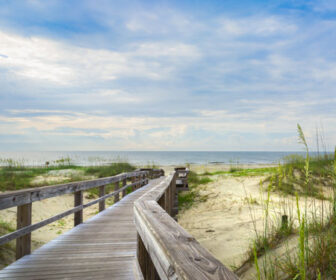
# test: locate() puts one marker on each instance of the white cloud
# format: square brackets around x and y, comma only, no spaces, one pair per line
[174,81]
[251,26]
[36,58]
[168,49]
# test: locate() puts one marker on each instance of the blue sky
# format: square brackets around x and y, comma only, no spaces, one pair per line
[166,75]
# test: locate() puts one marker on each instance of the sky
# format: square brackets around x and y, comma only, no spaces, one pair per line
[166,75]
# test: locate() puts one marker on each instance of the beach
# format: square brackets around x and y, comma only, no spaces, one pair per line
[225,223]
[234,210]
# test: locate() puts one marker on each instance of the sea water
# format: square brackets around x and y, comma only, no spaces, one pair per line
[145,157]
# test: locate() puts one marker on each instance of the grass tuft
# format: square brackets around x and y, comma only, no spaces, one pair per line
[188,198]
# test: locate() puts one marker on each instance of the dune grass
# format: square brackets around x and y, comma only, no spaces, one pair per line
[14,176]
[243,172]
[314,256]
[7,251]
[188,198]
[291,177]
[109,170]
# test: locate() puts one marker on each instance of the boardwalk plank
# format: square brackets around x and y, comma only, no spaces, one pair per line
[104,247]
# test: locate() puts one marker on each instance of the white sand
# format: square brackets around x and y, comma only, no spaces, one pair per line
[223,224]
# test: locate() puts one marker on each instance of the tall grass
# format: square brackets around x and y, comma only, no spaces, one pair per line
[15,176]
[314,255]
[109,170]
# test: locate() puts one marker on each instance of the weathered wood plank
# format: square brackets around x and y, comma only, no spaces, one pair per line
[124,183]
[146,265]
[25,230]
[24,218]
[117,195]
[102,193]
[16,198]
[174,252]
[104,247]
[78,201]
[188,258]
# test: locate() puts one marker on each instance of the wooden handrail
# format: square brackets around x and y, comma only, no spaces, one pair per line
[165,249]
[23,199]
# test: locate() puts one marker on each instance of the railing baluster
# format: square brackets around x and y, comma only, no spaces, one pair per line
[23,200]
[124,183]
[133,179]
[78,201]
[24,218]
[102,193]
[117,195]
[145,262]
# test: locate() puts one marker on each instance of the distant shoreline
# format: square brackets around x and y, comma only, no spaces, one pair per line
[147,158]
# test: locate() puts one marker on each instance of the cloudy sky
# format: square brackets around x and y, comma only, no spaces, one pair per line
[166,75]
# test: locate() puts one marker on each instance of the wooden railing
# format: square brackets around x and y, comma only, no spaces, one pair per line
[164,249]
[23,200]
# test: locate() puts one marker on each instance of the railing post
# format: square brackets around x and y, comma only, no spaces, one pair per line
[147,177]
[174,197]
[162,201]
[146,265]
[24,218]
[101,203]
[133,181]
[170,196]
[139,181]
[117,195]
[143,178]
[124,183]
[78,201]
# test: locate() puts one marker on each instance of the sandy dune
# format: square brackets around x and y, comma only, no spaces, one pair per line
[224,223]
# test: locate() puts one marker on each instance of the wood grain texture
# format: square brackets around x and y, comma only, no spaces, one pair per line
[104,247]
[102,193]
[116,188]
[124,183]
[78,201]
[132,237]
[24,218]
[16,198]
[27,229]
[174,252]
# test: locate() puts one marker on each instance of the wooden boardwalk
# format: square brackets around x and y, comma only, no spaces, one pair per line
[104,247]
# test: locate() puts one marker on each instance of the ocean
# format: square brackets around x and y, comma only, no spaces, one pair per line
[146,157]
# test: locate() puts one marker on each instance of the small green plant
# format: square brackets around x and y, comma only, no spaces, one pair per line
[302,263]
[7,251]
[61,223]
[243,172]
[188,198]
[256,262]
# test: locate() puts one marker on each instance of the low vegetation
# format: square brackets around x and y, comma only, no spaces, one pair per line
[188,198]
[241,172]
[313,225]
[14,176]
[7,251]
[109,170]
[290,178]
